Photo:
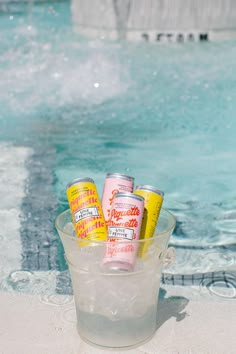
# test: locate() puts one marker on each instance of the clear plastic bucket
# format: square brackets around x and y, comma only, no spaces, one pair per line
[115,309]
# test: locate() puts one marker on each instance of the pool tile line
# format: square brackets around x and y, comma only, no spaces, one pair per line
[223,278]
[39,242]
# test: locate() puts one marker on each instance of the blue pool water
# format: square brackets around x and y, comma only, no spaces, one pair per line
[72,107]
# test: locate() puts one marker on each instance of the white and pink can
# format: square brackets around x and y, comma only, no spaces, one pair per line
[123,230]
[114,183]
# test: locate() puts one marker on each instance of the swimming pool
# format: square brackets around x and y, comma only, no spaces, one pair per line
[72,107]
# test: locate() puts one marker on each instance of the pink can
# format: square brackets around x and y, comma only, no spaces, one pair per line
[114,183]
[124,227]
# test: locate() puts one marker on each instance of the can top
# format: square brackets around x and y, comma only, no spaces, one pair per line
[129,195]
[146,187]
[119,175]
[78,180]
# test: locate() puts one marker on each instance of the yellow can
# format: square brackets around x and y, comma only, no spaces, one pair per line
[153,199]
[86,209]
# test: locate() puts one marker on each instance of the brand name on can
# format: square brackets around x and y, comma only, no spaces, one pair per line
[119,214]
[80,202]
[113,193]
[115,249]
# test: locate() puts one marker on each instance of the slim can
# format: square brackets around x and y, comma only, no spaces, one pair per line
[86,209]
[114,183]
[153,199]
[125,225]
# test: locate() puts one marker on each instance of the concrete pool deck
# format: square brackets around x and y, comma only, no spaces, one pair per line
[47,325]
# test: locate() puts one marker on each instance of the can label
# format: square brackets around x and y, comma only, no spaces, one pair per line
[114,183]
[121,233]
[125,225]
[86,210]
[153,199]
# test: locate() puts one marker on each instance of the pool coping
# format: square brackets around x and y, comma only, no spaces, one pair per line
[46,324]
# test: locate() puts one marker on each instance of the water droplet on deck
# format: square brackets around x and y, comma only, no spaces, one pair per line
[58,329]
[223,285]
[70,315]
[19,280]
[218,288]
[56,300]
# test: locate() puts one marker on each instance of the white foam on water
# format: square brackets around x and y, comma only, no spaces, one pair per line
[96,79]
[56,79]
[13,175]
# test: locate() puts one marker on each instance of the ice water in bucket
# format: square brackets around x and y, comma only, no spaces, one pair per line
[115,308]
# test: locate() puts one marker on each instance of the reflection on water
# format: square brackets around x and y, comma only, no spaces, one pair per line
[164,114]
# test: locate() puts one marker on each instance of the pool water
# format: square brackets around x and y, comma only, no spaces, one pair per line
[73,107]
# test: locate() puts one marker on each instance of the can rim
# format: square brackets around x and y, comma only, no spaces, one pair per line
[119,175]
[130,195]
[149,188]
[77,180]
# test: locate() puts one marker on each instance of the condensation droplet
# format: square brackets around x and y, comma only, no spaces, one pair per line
[69,228]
